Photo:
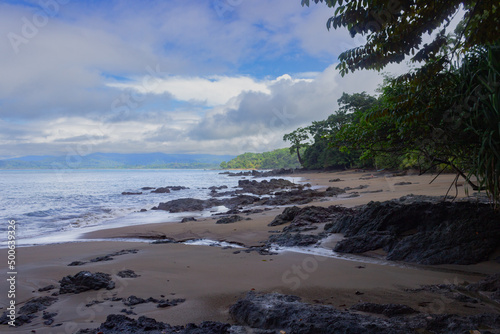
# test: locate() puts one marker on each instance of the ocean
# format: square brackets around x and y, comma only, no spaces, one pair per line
[53,206]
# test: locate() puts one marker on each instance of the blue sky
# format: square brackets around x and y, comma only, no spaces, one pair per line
[191,76]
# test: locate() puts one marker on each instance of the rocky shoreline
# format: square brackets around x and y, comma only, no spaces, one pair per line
[415,229]
[277,314]
[424,230]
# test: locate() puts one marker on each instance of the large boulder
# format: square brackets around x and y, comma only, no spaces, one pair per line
[229,220]
[187,204]
[264,187]
[84,281]
[421,232]
[305,218]
[283,313]
[193,204]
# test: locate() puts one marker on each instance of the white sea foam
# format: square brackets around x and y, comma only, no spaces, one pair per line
[51,207]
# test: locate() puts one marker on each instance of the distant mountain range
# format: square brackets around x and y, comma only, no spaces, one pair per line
[116,160]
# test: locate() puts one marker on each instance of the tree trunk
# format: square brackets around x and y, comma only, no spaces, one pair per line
[299,157]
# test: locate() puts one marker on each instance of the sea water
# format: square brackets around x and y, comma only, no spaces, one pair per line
[57,206]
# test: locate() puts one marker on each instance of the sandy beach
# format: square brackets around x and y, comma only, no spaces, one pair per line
[211,279]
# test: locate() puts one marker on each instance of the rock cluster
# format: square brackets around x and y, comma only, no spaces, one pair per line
[282,313]
[28,311]
[84,281]
[421,232]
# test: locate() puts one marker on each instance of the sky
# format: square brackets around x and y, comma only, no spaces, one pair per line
[190,76]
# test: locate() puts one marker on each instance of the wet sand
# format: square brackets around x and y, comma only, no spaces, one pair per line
[212,278]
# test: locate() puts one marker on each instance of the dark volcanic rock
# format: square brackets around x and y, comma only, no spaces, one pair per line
[176,188]
[490,285]
[256,173]
[133,300]
[109,257]
[102,258]
[76,263]
[188,219]
[27,312]
[217,188]
[363,186]
[422,232]
[47,288]
[84,281]
[127,274]
[187,204]
[276,313]
[310,215]
[365,242]
[161,190]
[239,201]
[192,204]
[131,193]
[301,219]
[230,219]
[286,216]
[286,313]
[402,183]
[293,240]
[214,193]
[48,317]
[292,197]
[168,303]
[37,305]
[389,310]
[119,324]
[299,196]
[263,187]
[334,191]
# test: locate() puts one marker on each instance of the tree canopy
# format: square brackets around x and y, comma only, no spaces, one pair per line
[447,112]
[280,158]
[395,29]
[318,150]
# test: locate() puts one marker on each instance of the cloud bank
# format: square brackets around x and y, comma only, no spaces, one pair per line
[171,76]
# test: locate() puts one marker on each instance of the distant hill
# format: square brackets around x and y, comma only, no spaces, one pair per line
[116,160]
[280,158]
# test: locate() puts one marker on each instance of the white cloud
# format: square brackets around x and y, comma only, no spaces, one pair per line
[211,91]
[81,74]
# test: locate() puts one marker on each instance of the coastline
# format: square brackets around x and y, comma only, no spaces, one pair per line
[211,279]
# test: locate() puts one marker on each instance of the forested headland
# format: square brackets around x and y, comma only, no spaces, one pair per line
[442,115]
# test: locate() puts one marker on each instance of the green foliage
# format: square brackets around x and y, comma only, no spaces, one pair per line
[394,29]
[446,111]
[452,120]
[479,87]
[280,158]
[296,138]
[320,153]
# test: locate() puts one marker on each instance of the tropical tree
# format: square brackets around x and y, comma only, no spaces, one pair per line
[297,138]
[446,109]
[395,29]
